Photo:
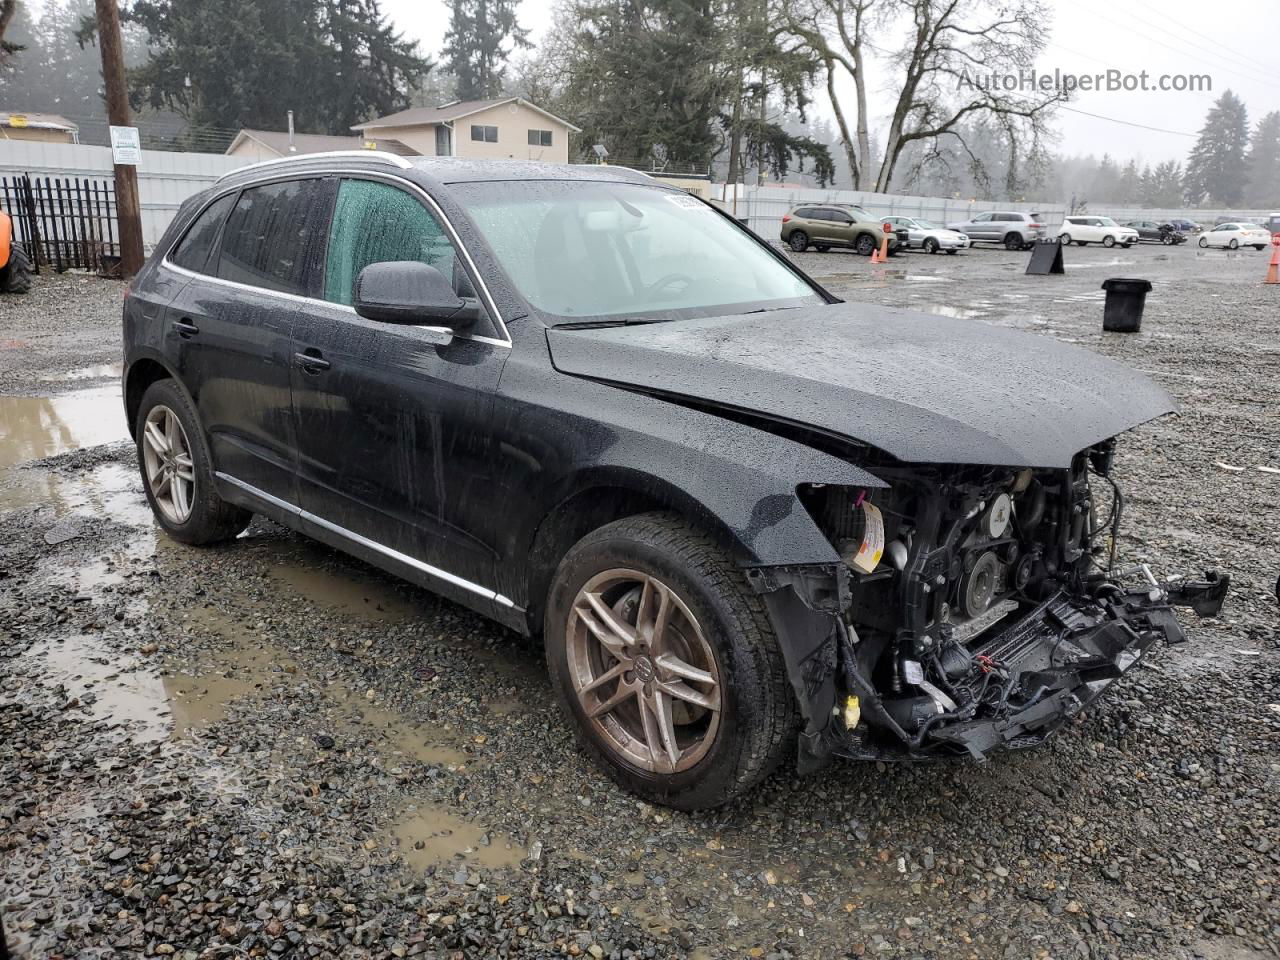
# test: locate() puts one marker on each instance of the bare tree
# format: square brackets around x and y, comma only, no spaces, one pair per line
[942,73]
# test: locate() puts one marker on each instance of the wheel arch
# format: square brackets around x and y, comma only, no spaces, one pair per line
[141,373]
[600,498]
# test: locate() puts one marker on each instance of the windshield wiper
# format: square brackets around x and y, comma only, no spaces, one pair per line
[618,322]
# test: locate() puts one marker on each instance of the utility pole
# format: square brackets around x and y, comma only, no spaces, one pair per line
[111,43]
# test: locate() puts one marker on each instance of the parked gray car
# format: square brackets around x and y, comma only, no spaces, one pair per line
[1017,231]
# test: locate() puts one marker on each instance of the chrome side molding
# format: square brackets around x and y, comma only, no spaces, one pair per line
[425,568]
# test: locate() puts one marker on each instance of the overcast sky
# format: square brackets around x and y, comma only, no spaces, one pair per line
[1235,43]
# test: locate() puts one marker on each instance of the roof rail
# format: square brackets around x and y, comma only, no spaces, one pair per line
[392,158]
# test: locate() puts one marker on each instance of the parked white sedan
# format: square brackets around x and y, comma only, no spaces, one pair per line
[1085,230]
[1235,235]
[928,236]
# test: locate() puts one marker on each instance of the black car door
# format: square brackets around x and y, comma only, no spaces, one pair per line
[230,330]
[393,421]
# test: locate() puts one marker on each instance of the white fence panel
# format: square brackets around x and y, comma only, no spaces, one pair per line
[165,179]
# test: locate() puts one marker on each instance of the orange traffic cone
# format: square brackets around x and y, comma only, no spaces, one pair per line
[1273,271]
[882,254]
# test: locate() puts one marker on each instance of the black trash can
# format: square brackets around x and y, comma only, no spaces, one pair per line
[1126,296]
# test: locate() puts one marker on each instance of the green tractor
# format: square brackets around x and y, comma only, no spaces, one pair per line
[15,268]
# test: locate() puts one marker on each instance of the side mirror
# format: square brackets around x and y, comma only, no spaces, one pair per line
[408,291]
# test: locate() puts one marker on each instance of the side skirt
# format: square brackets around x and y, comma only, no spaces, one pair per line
[471,595]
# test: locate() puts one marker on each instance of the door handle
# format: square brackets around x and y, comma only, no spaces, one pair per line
[311,361]
[186,329]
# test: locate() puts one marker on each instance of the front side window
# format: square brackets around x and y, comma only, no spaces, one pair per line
[578,249]
[378,223]
[483,133]
[267,240]
[539,138]
[192,251]
[982,218]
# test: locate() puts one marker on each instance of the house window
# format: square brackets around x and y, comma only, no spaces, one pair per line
[539,138]
[484,134]
[444,141]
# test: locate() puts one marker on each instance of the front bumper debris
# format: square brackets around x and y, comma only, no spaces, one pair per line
[1055,660]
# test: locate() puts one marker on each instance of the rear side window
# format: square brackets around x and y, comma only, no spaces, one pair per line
[806,213]
[377,223]
[266,242]
[192,251]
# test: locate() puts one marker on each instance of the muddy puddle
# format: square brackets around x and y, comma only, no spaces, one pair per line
[397,737]
[346,592]
[32,428]
[429,835]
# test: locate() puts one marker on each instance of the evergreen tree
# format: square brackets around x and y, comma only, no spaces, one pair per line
[1263,163]
[482,35]
[1215,169]
[1129,186]
[234,63]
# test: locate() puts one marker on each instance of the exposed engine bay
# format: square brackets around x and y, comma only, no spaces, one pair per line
[983,608]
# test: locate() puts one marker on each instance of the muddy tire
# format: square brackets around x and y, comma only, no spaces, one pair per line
[15,276]
[720,714]
[798,241]
[177,471]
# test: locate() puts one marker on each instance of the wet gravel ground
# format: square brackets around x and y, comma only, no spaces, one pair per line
[268,749]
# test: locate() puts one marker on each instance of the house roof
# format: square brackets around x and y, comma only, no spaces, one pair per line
[277,141]
[40,121]
[449,112]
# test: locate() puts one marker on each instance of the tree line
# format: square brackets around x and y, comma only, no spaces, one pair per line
[755,90]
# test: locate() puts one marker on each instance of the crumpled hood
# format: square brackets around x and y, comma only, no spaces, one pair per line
[923,388]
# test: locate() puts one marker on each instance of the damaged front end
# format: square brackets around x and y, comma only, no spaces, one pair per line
[977,608]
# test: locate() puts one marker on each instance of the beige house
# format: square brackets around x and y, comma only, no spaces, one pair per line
[503,129]
[47,127]
[256,145]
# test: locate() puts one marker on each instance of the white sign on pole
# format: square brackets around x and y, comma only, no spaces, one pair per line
[126,146]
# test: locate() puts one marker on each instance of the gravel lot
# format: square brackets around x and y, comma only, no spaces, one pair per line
[267,748]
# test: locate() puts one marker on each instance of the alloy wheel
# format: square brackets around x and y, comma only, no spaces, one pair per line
[166,457]
[644,673]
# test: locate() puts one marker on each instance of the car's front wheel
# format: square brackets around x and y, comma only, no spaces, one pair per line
[865,245]
[177,472]
[799,241]
[1108,241]
[1204,242]
[666,663]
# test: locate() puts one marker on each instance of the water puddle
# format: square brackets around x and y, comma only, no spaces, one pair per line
[32,428]
[397,736]
[109,685]
[1115,262]
[961,313]
[347,592]
[101,371]
[430,835]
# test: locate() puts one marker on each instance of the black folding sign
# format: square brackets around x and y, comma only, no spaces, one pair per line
[1046,257]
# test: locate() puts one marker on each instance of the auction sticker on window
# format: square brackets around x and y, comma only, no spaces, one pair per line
[868,555]
[688,201]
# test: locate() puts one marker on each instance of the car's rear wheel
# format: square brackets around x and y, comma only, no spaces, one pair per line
[1108,241]
[1064,239]
[1082,243]
[1259,246]
[930,245]
[1204,242]
[952,251]
[177,472]
[666,663]
[1013,241]
[865,245]
[799,241]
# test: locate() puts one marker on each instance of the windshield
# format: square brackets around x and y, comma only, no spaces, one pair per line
[926,225]
[579,250]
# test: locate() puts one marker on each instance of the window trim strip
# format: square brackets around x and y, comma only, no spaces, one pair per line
[435,208]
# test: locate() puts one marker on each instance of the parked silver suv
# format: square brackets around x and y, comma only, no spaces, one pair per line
[1017,231]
